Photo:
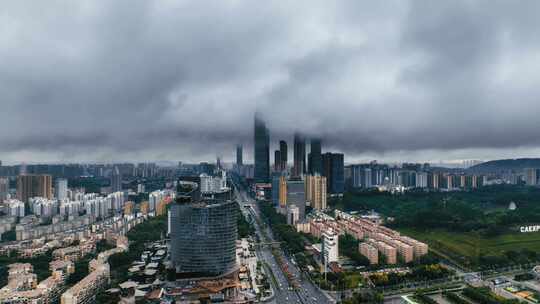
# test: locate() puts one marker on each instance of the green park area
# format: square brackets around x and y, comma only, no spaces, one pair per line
[470,248]
[475,229]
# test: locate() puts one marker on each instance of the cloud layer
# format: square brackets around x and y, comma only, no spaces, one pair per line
[113,80]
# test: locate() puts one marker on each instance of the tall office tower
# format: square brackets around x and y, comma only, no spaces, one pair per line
[277,161]
[334,171]
[61,188]
[283,153]
[218,162]
[262,151]
[239,155]
[4,188]
[315,157]
[282,191]
[327,170]
[32,185]
[116,180]
[203,237]
[308,163]
[356,176]
[275,188]
[299,166]
[296,195]
[316,191]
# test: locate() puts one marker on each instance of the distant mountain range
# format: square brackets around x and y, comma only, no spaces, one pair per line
[506,165]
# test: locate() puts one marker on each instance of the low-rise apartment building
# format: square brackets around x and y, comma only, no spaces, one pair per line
[369,252]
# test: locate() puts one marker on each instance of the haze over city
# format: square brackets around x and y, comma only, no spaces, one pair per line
[276,152]
[101,81]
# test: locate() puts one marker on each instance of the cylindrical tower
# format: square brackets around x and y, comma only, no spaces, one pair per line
[203,237]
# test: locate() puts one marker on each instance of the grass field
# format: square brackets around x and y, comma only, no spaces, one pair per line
[353,280]
[471,245]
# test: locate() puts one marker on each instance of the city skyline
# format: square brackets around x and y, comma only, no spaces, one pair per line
[300,143]
[393,81]
[310,152]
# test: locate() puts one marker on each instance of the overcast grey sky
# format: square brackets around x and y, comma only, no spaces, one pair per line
[180,80]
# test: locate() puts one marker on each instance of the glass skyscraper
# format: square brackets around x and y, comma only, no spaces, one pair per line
[299,166]
[262,151]
[315,157]
[283,153]
[203,237]
[239,155]
[334,170]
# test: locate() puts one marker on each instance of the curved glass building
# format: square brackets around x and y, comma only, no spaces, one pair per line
[203,237]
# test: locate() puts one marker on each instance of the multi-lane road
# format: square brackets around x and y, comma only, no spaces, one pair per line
[306,292]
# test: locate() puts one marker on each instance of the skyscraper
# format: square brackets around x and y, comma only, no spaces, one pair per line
[316,191]
[275,188]
[262,151]
[299,167]
[277,161]
[116,180]
[296,195]
[218,163]
[4,188]
[203,237]
[315,157]
[32,185]
[282,191]
[334,171]
[60,188]
[239,156]
[283,153]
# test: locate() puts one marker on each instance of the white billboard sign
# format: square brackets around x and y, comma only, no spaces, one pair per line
[525,229]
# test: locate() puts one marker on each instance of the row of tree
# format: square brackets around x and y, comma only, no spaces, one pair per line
[417,273]
[245,229]
[292,240]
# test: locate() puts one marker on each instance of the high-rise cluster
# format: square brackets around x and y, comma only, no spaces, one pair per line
[307,182]
[366,176]
[34,185]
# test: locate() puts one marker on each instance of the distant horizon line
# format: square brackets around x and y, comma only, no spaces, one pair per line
[232,161]
[451,163]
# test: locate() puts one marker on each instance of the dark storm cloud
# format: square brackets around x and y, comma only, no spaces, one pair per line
[93,80]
